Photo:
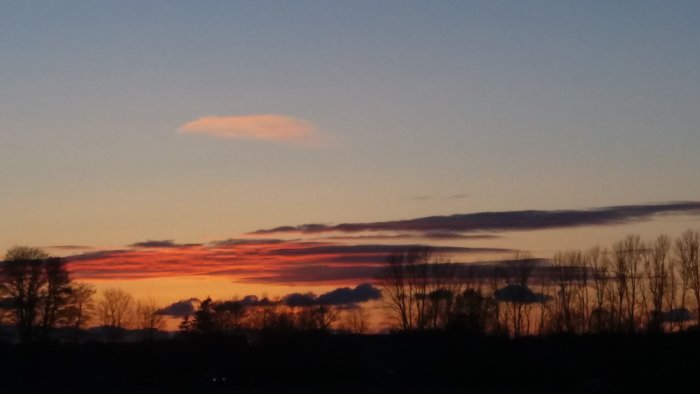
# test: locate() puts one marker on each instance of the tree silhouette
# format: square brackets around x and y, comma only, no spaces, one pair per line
[114,308]
[688,254]
[516,295]
[37,289]
[230,315]
[355,320]
[56,294]
[472,312]
[657,274]
[81,306]
[148,316]
[418,288]
[203,321]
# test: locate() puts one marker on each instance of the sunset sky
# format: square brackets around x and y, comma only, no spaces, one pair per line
[179,149]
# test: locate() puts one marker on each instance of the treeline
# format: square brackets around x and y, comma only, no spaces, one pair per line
[633,286]
[288,314]
[38,297]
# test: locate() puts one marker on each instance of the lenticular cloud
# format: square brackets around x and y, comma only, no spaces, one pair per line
[269,127]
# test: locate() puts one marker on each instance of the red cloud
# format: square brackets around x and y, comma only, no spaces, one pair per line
[259,261]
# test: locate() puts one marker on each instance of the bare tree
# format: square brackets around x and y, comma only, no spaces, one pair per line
[518,271]
[687,251]
[81,305]
[657,273]
[115,308]
[267,314]
[474,312]
[597,263]
[566,272]
[406,283]
[419,289]
[498,278]
[671,293]
[396,289]
[584,280]
[355,320]
[419,279]
[443,287]
[230,315]
[324,316]
[627,255]
[55,295]
[148,316]
[544,279]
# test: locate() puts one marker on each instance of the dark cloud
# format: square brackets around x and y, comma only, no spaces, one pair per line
[343,296]
[346,295]
[506,221]
[428,235]
[154,244]
[458,196]
[518,294]
[181,308]
[378,249]
[370,237]
[677,315]
[451,235]
[167,243]
[304,228]
[253,300]
[98,255]
[298,299]
[249,241]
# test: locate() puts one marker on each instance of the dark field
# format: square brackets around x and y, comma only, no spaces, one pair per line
[370,363]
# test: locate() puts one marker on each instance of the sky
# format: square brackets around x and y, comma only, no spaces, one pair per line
[193,125]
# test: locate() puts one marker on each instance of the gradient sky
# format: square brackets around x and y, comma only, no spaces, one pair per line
[122,122]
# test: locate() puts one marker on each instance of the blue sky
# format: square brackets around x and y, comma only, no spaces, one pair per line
[509,104]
